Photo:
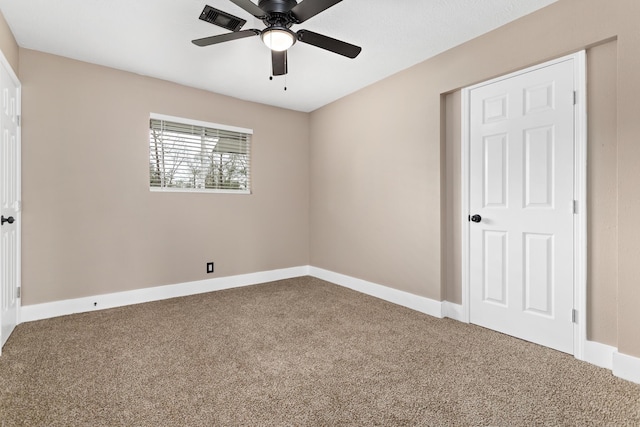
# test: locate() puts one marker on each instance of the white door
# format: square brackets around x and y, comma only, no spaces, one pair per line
[9,202]
[521,193]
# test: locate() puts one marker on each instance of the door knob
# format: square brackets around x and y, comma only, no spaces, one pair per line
[476,218]
[10,220]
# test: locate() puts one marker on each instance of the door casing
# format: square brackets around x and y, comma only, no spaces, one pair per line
[580,194]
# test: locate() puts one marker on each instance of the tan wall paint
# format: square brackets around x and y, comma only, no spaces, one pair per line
[91,225]
[602,214]
[452,220]
[375,210]
[8,44]
[380,147]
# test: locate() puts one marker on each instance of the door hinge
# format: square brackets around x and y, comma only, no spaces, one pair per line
[575,207]
[574,316]
[18,119]
[575,97]
[19,293]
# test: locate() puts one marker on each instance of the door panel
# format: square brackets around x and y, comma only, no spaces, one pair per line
[521,184]
[538,163]
[495,267]
[495,148]
[538,273]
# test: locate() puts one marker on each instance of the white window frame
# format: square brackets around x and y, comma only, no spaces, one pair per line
[192,122]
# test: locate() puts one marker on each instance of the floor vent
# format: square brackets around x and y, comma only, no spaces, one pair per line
[221,19]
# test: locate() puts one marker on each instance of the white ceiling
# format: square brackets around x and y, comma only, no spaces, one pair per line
[153,38]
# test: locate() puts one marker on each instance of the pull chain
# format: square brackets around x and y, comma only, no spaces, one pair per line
[285,81]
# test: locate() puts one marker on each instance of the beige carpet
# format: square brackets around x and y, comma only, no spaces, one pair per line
[295,352]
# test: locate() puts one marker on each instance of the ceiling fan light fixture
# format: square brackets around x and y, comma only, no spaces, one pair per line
[278,39]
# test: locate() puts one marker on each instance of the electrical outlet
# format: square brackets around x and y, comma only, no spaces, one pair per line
[209,267]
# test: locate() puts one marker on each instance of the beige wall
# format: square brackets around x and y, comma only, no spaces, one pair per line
[452,220]
[8,44]
[375,180]
[602,174]
[91,225]
[380,147]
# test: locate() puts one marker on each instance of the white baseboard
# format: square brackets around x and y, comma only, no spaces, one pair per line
[622,365]
[405,299]
[453,311]
[33,312]
[599,354]
[626,367]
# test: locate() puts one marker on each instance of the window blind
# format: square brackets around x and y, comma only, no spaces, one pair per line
[189,157]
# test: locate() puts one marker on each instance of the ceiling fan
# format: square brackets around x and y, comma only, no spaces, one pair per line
[278,16]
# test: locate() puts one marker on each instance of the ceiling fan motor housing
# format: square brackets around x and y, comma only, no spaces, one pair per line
[277,6]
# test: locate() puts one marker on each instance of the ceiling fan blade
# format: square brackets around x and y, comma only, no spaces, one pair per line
[250,7]
[207,41]
[310,8]
[328,43]
[279,62]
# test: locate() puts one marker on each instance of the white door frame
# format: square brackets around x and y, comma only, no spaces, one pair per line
[5,63]
[580,195]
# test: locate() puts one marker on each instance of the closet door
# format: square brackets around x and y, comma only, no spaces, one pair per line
[9,200]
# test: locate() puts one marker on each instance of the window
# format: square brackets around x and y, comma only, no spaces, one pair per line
[191,156]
